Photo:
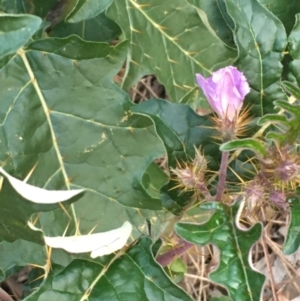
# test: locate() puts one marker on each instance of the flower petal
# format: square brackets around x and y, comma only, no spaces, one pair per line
[225,91]
[209,89]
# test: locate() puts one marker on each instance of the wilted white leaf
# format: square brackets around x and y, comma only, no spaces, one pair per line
[37,194]
[98,244]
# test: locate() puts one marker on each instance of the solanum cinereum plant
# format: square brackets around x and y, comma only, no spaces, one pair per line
[85,203]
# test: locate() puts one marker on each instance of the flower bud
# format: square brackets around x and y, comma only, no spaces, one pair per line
[191,176]
[288,170]
[186,177]
[278,198]
[282,164]
[254,193]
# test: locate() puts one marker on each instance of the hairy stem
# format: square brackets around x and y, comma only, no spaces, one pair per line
[222,175]
[170,255]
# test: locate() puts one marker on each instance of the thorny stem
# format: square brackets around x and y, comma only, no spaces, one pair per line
[183,246]
[170,255]
[222,175]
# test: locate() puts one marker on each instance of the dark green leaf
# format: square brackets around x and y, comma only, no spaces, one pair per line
[98,29]
[35,7]
[273,119]
[174,51]
[284,10]
[59,11]
[287,127]
[156,246]
[11,7]
[247,143]
[147,281]
[214,14]
[21,253]
[38,7]
[153,179]
[72,122]
[261,40]
[87,9]
[72,47]
[292,241]
[15,211]
[16,31]
[291,89]
[181,130]
[294,45]
[234,271]
[294,51]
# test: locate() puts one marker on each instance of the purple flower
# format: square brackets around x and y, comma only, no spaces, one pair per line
[225,91]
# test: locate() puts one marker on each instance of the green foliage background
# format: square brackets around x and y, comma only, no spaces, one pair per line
[63,116]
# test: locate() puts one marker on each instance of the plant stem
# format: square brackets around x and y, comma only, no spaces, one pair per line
[170,255]
[5,296]
[222,175]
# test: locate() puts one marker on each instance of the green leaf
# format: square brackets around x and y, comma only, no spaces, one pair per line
[147,281]
[294,45]
[214,15]
[39,8]
[60,10]
[35,7]
[20,253]
[287,125]
[261,40]
[273,119]
[56,12]
[291,89]
[11,7]
[181,130]
[153,179]
[97,29]
[177,270]
[292,241]
[51,10]
[284,10]
[70,121]
[178,266]
[294,51]
[16,30]
[170,49]
[234,271]
[87,9]
[72,47]
[247,143]
[15,212]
